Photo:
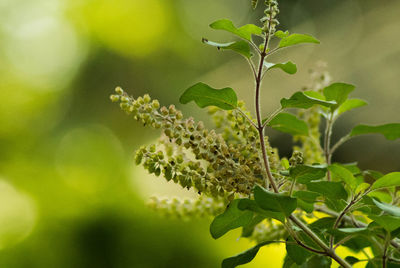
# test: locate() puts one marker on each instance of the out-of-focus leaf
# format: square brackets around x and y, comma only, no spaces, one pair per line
[289,123]
[389,223]
[274,202]
[241,47]
[232,218]
[288,67]
[244,32]
[391,179]
[390,131]
[302,100]
[244,257]
[295,39]
[390,209]
[337,92]
[281,34]
[204,96]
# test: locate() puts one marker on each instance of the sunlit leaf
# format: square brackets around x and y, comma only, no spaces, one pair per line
[350,104]
[306,173]
[337,92]
[390,131]
[289,123]
[244,257]
[288,67]
[281,34]
[344,174]
[232,218]
[302,100]
[204,96]
[241,47]
[244,32]
[391,179]
[295,39]
[274,202]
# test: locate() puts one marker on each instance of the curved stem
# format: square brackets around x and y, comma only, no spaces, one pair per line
[340,142]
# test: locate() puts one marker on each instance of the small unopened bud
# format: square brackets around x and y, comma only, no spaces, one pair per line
[119,90]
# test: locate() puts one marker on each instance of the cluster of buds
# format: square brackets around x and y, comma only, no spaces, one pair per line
[269,20]
[310,146]
[296,158]
[188,208]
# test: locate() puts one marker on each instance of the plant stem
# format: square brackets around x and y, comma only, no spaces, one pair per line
[247,118]
[384,256]
[338,219]
[340,142]
[327,140]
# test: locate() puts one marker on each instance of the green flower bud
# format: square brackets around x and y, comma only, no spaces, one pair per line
[119,90]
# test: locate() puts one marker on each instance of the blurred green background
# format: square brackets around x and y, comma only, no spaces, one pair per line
[70,195]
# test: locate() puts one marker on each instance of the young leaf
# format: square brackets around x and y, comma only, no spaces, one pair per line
[344,174]
[288,67]
[295,39]
[391,179]
[244,257]
[289,123]
[241,47]
[274,202]
[305,174]
[244,32]
[204,96]
[351,104]
[231,219]
[390,131]
[337,92]
[281,34]
[389,209]
[389,223]
[330,189]
[302,100]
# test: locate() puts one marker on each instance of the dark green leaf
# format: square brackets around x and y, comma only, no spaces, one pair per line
[305,174]
[248,204]
[242,47]
[318,261]
[295,39]
[289,123]
[306,206]
[391,179]
[298,254]
[389,223]
[302,100]
[351,260]
[350,104]
[274,202]
[244,257]
[390,131]
[307,196]
[205,95]
[344,174]
[232,218]
[325,223]
[390,209]
[244,32]
[337,92]
[333,190]
[288,67]
[249,228]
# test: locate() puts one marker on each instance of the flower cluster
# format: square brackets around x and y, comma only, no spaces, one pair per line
[269,20]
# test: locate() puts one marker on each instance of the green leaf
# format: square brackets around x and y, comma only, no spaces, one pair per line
[288,67]
[351,260]
[248,229]
[281,34]
[295,39]
[306,206]
[361,187]
[391,179]
[389,223]
[351,104]
[305,174]
[204,96]
[244,257]
[274,202]
[244,32]
[241,47]
[330,189]
[318,261]
[344,174]
[306,196]
[390,131]
[232,218]
[302,100]
[248,204]
[390,209]
[289,123]
[298,254]
[337,92]
[353,230]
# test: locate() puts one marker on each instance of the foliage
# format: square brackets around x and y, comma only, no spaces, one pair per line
[238,169]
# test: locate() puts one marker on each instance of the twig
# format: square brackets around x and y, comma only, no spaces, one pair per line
[247,117]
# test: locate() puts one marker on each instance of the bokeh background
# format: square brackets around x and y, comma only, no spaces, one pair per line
[70,195]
